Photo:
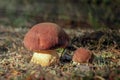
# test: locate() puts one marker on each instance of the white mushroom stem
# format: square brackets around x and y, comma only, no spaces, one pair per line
[45,58]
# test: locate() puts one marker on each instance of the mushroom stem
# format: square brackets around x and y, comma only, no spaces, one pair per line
[45,59]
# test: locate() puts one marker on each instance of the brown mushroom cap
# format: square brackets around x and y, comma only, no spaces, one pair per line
[81,55]
[44,36]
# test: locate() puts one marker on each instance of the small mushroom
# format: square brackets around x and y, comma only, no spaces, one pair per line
[43,39]
[81,55]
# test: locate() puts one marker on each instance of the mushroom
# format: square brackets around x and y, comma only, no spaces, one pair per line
[81,55]
[43,39]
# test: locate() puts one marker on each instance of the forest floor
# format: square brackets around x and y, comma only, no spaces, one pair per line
[104,64]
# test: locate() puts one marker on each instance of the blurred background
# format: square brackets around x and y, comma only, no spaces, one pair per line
[95,14]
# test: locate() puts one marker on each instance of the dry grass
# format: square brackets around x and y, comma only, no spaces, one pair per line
[14,60]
